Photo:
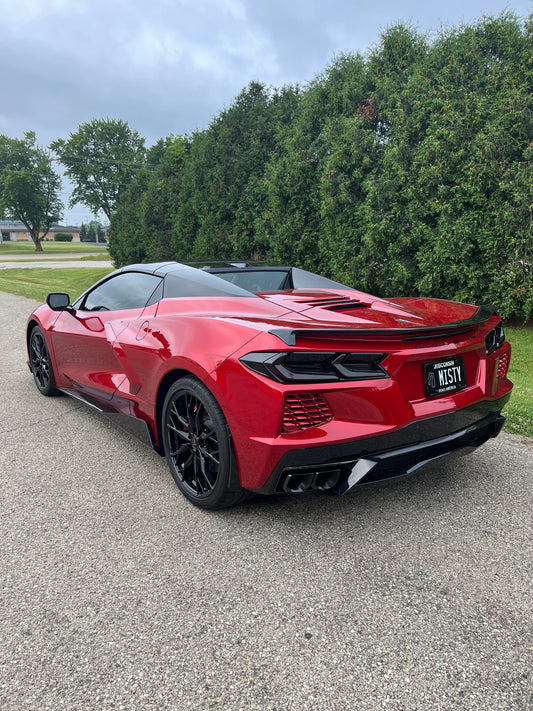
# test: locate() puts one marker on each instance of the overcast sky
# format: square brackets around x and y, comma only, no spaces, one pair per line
[169,66]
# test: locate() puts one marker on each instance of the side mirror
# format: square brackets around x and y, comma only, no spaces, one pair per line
[58,302]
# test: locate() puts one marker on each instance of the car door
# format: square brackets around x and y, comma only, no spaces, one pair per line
[84,338]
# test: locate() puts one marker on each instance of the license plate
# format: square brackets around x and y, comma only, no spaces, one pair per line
[445,376]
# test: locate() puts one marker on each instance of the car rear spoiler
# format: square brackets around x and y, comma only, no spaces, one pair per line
[417,333]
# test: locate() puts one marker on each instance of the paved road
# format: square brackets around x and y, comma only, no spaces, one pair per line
[52,261]
[48,256]
[118,594]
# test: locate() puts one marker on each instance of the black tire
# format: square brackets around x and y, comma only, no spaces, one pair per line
[41,363]
[198,447]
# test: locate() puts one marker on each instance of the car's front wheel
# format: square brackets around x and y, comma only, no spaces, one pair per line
[198,447]
[41,364]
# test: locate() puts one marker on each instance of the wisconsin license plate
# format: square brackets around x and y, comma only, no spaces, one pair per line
[445,376]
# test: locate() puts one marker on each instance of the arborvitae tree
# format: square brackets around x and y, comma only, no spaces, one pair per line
[217,212]
[160,202]
[389,247]
[127,242]
[481,243]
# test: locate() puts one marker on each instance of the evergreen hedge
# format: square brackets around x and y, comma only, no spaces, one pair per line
[407,171]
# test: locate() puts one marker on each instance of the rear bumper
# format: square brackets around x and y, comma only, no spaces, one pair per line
[336,468]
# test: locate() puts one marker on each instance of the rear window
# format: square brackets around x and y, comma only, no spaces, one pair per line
[258,280]
[263,279]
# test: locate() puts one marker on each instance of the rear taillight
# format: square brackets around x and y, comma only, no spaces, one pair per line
[316,367]
[494,339]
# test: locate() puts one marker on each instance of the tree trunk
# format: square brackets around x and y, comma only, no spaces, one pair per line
[37,242]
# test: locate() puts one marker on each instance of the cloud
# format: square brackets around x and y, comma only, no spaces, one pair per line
[20,13]
[171,65]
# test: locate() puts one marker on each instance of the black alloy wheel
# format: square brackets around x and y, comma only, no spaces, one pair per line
[41,365]
[198,446]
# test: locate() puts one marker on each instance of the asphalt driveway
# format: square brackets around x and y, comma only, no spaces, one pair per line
[116,593]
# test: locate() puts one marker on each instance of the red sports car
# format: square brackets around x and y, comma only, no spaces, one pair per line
[273,379]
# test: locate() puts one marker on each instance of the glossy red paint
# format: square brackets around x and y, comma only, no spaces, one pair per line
[126,360]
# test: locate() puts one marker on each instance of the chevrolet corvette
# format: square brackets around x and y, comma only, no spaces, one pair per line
[272,379]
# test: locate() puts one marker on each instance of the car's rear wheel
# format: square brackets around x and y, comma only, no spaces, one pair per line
[198,447]
[41,364]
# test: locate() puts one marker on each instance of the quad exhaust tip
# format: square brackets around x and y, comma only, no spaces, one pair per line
[298,482]
[331,478]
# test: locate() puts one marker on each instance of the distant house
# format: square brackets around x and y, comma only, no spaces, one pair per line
[17,232]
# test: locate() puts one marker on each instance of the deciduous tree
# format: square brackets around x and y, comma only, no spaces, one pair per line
[101,159]
[29,186]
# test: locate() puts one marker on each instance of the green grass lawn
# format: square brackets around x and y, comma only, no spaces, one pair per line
[28,248]
[519,411]
[37,283]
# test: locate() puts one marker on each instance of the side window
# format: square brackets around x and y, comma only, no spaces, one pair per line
[157,295]
[130,290]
